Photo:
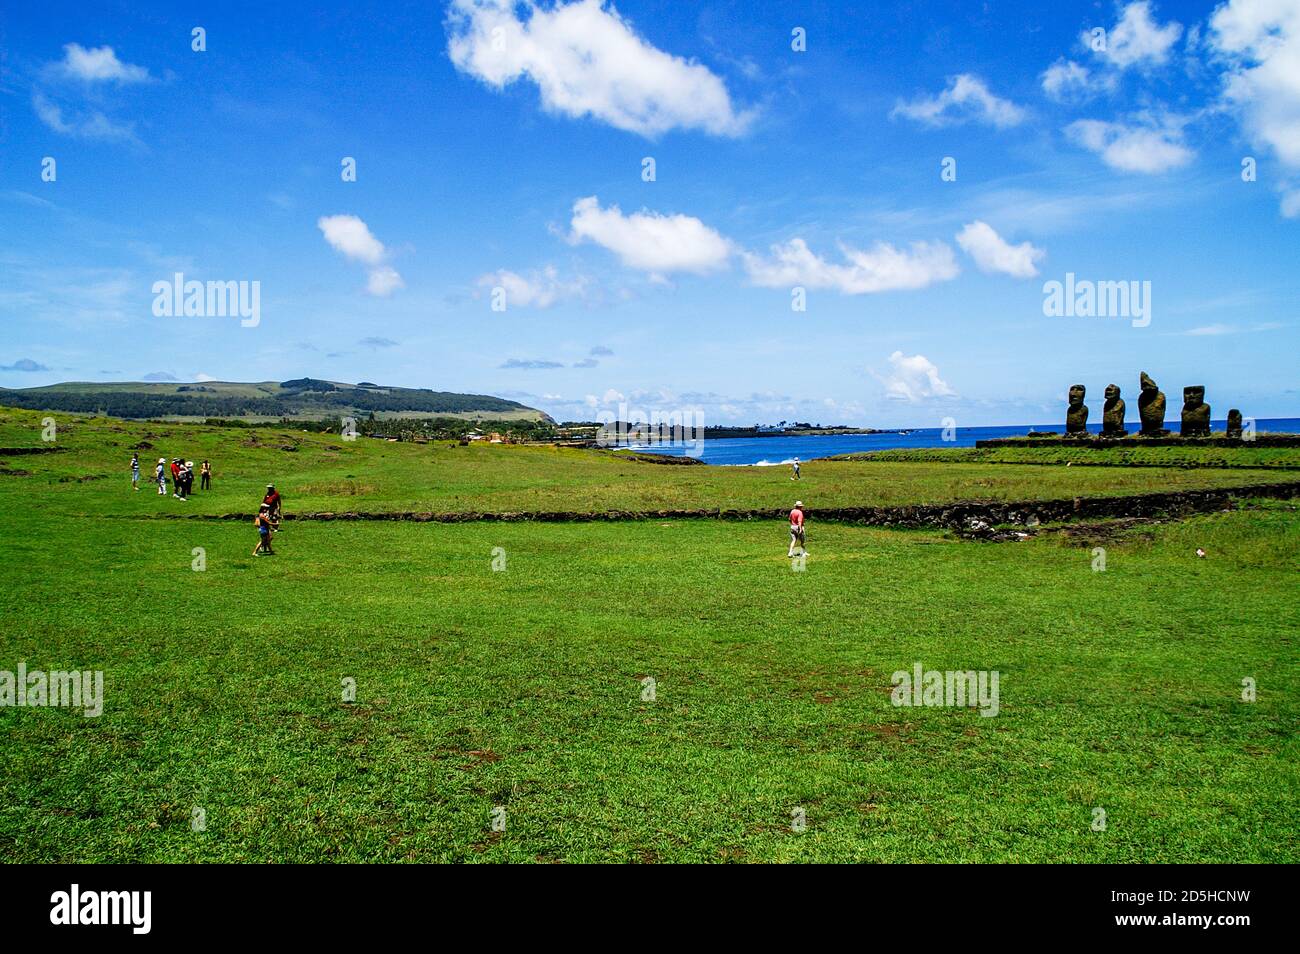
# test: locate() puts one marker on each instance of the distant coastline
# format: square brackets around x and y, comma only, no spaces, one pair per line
[720,432]
[782,448]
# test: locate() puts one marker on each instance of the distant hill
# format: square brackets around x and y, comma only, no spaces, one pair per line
[303,398]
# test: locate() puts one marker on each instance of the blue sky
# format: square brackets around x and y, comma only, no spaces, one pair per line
[503,146]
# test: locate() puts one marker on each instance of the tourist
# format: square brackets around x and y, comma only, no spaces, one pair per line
[796,530]
[176,477]
[189,477]
[160,475]
[135,471]
[273,502]
[795,466]
[263,523]
[205,476]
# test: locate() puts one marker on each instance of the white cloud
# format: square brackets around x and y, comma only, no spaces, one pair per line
[201,377]
[529,364]
[351,237]
[1069,82]
[880,268]
[1149,145]
[63,82]
[98,65]
[650,241]
[965,97]
[913,379]
[1260,41]
[1063,78]
[586,60]
[1136,39]
[88,125]
[1291,203]
[534,290]
[383,281]
[1222,329]
[609,397]
[992,253]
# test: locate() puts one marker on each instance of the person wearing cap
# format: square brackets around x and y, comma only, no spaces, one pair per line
[794,465]
[273,502]
[796,530]
[263,523]
[160,475]
[176,477]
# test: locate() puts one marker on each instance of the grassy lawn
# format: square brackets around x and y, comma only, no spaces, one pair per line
[321,472]
[1282,458]
[475,689]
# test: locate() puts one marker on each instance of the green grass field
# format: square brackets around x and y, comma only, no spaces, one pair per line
[322,472]
[523,689]
[1057,453]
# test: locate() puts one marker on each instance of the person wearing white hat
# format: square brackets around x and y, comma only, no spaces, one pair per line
[794,466]
[160,475]
[796,530]
[275,503]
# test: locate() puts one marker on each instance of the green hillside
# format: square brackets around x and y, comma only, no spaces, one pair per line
[302,398]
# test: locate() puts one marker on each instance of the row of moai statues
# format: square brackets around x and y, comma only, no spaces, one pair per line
[1151,410]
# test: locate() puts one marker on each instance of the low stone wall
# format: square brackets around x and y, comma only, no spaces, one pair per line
[957,515]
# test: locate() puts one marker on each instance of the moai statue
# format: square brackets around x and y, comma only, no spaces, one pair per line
[1112,413]
[1234,423]
[1076,415]
[1151,408]
[1196,413]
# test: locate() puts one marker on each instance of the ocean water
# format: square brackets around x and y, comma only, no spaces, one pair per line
[774,451]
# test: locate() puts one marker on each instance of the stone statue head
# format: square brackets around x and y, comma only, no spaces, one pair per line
[1112,392]
[1194,395]
[1077,391]
[1147,384]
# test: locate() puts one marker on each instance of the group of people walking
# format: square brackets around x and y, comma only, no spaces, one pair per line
[180,472]
[268,516]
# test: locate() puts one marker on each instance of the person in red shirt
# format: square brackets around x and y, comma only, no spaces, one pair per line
[273,503]
[796,530]
[176,477]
